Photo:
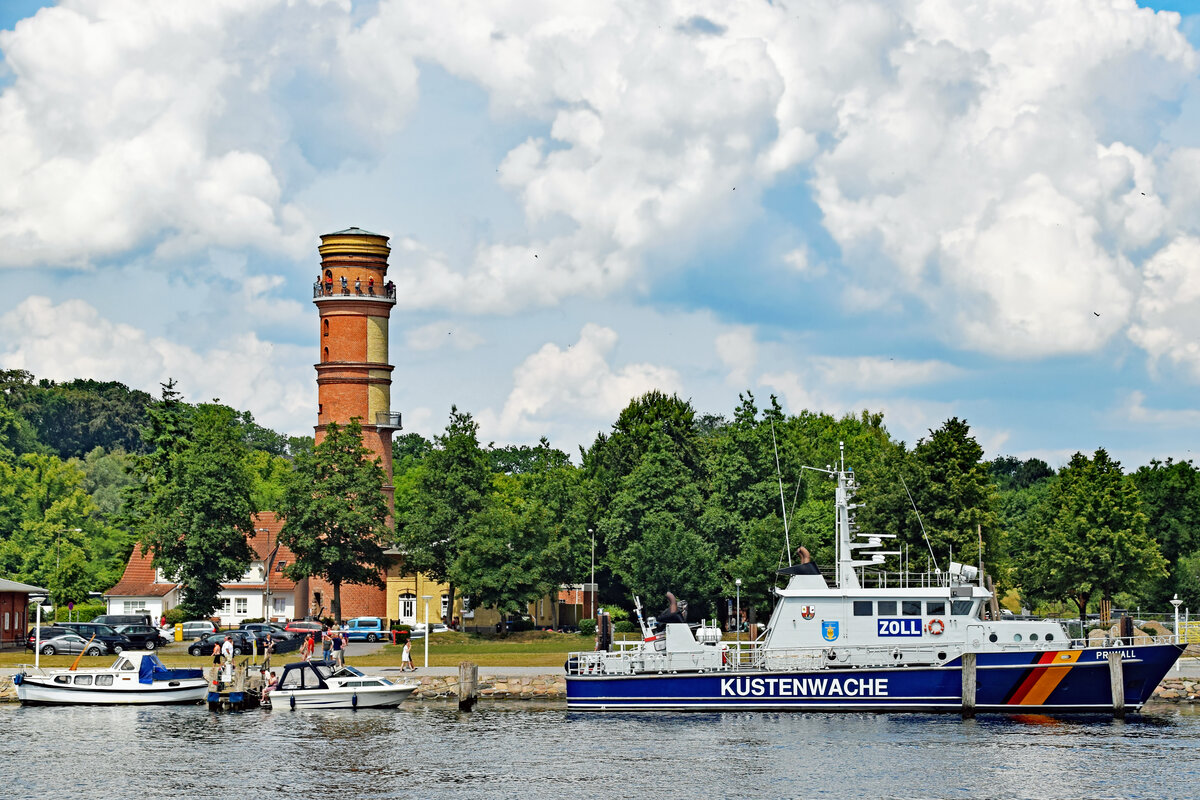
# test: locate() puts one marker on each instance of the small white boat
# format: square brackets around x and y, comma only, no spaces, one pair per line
[319,684]
[133,679]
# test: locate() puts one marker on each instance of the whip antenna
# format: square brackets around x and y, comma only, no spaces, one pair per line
[922,524]
[787,539]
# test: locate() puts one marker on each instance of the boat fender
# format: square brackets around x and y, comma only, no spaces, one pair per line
[936,627]
[18,679]
[293,702]
[724,653]
[354,700]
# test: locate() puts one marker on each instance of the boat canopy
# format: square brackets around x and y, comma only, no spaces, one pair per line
[151,670]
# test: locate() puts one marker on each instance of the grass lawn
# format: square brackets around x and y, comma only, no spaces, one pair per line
[529,649]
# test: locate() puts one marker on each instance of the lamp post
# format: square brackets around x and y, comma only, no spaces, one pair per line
[592,533]
[428,630]
[267,576]
[1175,601]
[738,620]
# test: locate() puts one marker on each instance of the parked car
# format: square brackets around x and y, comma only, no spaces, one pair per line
[70,644]
[114,642]
[371,629]
[195,628]
[418,630]
[303,626]
[122,619]
[263,628]
[48,632]
[144,637]
[243,642]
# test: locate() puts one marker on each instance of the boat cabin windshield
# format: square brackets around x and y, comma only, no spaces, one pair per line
[346,672]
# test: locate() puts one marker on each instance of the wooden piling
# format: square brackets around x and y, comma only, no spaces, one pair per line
[468,685]
[968,685]
[1116,680]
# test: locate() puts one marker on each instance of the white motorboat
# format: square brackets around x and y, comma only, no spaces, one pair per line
[319,684]
[133,679]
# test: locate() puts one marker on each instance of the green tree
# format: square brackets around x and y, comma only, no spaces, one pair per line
[451,489]
[192,510]
[1089,536]
[1170,495]
[510,555]
[336,514]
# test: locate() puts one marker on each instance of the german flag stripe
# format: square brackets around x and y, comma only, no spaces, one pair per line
[1039,682]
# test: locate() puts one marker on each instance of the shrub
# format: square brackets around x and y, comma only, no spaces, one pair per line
[617,615]
[587,627]
[253,619]
[624,626]
[82,611]
[176,615]
[519,624]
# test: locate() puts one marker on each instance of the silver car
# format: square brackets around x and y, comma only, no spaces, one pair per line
[71,644]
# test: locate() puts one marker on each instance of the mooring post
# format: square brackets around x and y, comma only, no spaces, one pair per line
[1116,679]
[468,683]
[968,685]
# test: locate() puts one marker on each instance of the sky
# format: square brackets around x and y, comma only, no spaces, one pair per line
[929,208]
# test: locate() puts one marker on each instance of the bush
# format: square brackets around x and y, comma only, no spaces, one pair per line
[520,624]
[624,626]
[252,619]
[617,615]
[175,615]
[83,611]
[587,627]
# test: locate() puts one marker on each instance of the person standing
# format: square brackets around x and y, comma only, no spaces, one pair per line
[326,643]
[406,664]
[335,640]
[307,648]
[268,649]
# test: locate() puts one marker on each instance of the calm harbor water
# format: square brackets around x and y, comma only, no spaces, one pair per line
[426,750]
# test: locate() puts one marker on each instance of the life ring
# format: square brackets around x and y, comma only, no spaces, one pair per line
[936,627]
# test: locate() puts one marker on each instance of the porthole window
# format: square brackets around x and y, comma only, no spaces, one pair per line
[992,638]
[1016,637]
[941,655]
[1049,637]
[1032,637]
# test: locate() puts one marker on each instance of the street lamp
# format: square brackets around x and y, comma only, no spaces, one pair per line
[1175,601]
[738,619]
[592,533]
[428,630]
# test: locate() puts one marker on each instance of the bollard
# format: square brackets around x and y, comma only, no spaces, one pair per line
[968,685]
[1116,680]
[468,685]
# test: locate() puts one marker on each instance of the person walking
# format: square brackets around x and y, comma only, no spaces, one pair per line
[406,664]
[306,650]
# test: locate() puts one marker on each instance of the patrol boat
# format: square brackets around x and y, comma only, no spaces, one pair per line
[905,642]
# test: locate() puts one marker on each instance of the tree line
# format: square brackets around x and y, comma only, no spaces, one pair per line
[668,499]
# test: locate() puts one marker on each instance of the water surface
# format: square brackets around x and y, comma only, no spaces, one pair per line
[519,750]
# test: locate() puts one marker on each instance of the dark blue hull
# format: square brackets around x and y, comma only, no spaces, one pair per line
[1055,681]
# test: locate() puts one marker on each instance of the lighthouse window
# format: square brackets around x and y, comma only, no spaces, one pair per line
[935,607]
[887,608]
[910,608]
[326,324]
[862,608]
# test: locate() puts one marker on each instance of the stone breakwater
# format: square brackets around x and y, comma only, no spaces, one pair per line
[1178,690]
[491,687]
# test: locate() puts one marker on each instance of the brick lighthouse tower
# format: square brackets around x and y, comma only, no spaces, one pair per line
[354,379]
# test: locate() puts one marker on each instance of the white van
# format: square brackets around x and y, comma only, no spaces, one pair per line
[191,630]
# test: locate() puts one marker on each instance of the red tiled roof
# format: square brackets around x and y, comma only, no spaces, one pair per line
[138,580]
[264,542]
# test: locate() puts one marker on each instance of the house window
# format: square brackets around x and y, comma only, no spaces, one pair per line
[240,606]
[408,606]
[279,565]
[466,608]
[445,606]
[134,606]
[224,606]
[279,605]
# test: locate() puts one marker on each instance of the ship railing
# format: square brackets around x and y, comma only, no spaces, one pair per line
[834,655]
[31,669]
[1117,641]
[884,579]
